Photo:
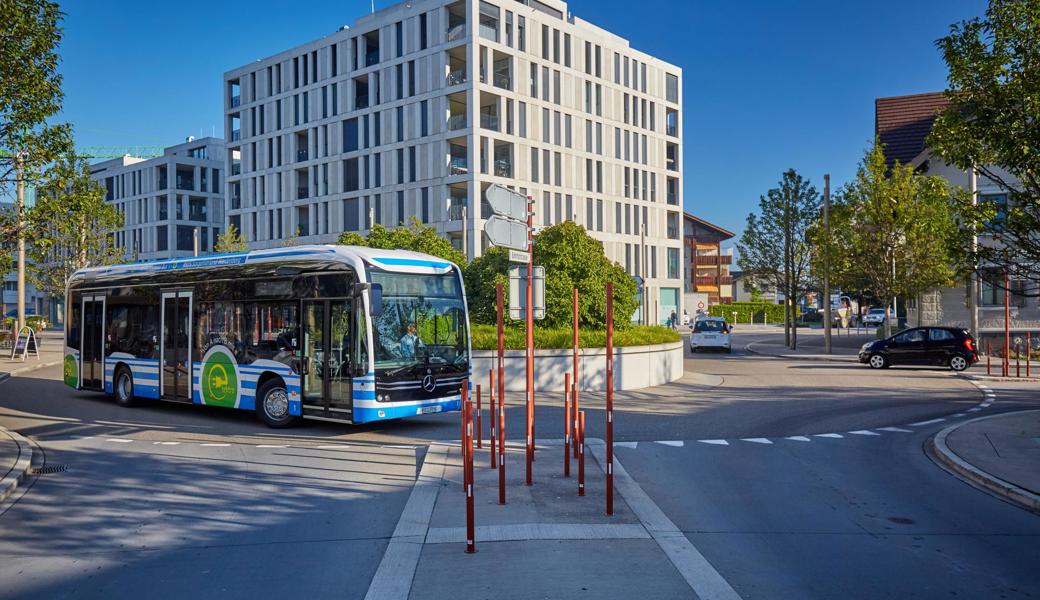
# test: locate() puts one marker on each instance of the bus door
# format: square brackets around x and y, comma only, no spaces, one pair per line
[175,346]
[92,357]
[327,327]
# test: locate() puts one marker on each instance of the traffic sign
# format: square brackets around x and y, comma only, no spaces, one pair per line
[507,203]
[507,233]
[519,256]
[518,292]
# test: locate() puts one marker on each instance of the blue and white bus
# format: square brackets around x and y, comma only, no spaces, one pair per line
[336,333]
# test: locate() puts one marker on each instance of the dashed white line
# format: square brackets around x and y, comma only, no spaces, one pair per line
[271,446]
[333,447]
[632,445]
[756,440]
[676,443]
[798,438]
[829,435]
[118,440]
[928,422]
[895,429]
[215,445]
[976,409]
[166,443]
[864,432]
[715,442]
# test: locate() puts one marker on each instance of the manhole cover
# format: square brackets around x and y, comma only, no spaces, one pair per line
[47,470]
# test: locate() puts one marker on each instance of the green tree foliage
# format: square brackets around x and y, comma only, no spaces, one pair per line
[230,241]
[71,225]
[415,237]
[30,88]
[992,125]
[892,233]
[774,249]
[8,239]
[572,259]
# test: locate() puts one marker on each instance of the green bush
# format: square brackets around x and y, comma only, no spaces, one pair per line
[485,337]
[35,321]
[748,312]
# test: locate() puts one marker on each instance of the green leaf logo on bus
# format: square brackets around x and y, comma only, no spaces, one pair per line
[219,378]
[71,370]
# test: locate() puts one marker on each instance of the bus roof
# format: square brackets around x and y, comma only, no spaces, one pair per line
[358,257]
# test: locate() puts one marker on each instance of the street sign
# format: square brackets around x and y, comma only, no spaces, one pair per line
[519,256]
[518,292]
[507,233]
[507,203]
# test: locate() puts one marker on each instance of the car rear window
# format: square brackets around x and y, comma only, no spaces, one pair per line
[709,326]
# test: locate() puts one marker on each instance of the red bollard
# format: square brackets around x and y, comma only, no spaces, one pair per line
[610,399]
[581,453]
[1018,361]
[479,427]
[493,414]
[468,480]
[462,414]
[1029,350]
[574,392]
[566,425]
[501,451]
[989,366]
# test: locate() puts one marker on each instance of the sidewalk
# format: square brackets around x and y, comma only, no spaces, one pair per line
[15,461]
[999,454]
[51,350]
[545,542]
[845,348]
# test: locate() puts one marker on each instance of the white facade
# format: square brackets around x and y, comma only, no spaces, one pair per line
[165,199]
[416,109]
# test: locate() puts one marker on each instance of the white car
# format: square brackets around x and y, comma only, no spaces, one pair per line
[710,332]
[876,316]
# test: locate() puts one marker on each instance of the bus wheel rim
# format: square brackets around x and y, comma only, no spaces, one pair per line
[276,404]
[124,387]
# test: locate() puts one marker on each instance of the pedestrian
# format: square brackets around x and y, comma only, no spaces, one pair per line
[671,321]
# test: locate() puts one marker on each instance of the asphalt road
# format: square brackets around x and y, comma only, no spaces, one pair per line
[175,500]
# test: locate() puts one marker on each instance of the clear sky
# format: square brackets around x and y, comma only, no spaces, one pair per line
[767,85]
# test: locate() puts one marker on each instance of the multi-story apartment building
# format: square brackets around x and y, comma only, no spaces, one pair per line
[164,200]
[416,109]
[706,262]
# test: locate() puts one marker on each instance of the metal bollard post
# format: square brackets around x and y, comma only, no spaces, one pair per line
[501,451]
[1018,361]
[1029,350]
[468,479]
[567,425]
[479,427]
[493,421]
[989,365]
[581,453]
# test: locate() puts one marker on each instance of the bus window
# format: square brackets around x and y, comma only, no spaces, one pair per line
[75,321]
[252,330]
[360,340]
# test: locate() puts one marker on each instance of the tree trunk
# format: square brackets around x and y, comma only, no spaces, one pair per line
[794,325]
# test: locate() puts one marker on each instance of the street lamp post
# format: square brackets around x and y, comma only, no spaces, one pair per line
[19,162]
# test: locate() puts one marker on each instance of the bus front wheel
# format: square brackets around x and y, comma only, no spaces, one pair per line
[272,404]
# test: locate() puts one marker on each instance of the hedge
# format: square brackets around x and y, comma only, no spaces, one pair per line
[485,337]
[748,312]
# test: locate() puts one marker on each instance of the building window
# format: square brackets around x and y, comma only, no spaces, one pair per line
[671,88]
[673,263]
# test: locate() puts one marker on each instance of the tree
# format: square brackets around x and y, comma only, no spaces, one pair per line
[415,237]
[71,226]
[774,248]
[30,88]
[292,240]
[572,259]
[230,241]
[892,233]
[8,239]
[991,126]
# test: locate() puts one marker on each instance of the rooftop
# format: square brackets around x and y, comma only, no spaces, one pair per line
[902,123]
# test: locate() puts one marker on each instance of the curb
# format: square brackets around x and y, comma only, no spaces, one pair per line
[836,358]
[999,378]
[32,367]
[22,465]
[942,455]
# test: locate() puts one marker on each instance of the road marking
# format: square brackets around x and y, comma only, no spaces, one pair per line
[215,445]
[829,435]
[715,442]
[957,416]
[864,432]
[118,440]
[976,409]
[798,438]
[699,574]
[270,446]
[756,440]
[627,444]
[895,429]
[333,447]
[928,422]
[165,443]
[676,443]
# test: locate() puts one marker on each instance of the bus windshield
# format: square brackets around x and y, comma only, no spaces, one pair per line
[423,322]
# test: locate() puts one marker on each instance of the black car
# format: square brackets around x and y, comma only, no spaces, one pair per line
[947,346]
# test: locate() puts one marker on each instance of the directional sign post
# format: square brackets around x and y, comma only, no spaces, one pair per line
[518,296]
[506,233]
[506,202]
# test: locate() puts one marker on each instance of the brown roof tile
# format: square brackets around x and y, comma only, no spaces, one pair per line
[903,122]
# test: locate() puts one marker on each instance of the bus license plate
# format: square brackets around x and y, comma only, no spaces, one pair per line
[430,409]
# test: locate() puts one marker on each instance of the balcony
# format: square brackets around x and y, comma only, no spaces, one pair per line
[455,207]
[372,57]
[713,280]
[456,122]
[361,101]
[236,168]
[301,155]
[458,165]
[456,32]
[503,168]
[489,121]
[711,260]
[456,77]
[302,193]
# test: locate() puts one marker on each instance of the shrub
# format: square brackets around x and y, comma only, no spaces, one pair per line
[748,312]
[485,337]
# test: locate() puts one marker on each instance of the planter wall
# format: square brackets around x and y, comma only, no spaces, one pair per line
[635,367]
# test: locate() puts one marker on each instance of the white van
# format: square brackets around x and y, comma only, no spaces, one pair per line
[710,332]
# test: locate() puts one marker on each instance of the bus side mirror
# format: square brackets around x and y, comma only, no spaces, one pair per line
[375,299]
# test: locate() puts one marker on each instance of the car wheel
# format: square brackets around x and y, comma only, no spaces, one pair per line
[272,404]
[123,387]
[958,362]
[878,361]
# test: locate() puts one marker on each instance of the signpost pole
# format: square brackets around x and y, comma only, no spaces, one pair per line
[610,398]
[573,416]
[501,400]
[529,316]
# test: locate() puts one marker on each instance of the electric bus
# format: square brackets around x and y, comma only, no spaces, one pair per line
[335,333]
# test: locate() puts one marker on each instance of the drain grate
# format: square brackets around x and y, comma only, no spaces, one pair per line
[47,470]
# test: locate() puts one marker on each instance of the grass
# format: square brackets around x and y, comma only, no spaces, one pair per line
[485,337]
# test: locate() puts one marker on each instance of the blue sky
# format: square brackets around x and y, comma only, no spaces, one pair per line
[768,85]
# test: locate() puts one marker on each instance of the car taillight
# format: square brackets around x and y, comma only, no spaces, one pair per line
[969,345]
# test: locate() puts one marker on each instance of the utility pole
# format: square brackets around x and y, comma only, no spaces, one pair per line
[973,295]
[19,162]
[787,272]
[195,241]
[826,265]
[642,260]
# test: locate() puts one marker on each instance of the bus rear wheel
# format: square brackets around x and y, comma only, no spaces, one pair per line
[272,404]
[123,387]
